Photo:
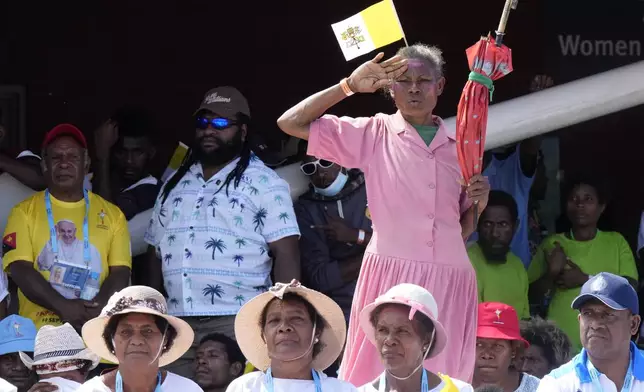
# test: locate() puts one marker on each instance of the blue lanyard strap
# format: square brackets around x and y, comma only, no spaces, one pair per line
[271,388]
[119,382]
[54,235]
[424,384]
[594,376]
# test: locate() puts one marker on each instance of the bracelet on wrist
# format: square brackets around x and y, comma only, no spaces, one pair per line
[344,85]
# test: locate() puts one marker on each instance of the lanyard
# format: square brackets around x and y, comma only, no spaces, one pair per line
[271,388]
[52,228]
[594,376]
[119,382]
[424,384]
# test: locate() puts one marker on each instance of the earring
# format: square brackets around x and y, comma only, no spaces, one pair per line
[316,340]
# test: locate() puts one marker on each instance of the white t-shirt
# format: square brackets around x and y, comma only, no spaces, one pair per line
[63,384]
[461,385]
[173,382]
[529,383]
[254,382]
[6,386]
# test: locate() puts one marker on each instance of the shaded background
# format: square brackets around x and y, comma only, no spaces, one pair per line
[79,60]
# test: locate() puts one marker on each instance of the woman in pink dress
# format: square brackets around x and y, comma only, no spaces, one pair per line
[420,209]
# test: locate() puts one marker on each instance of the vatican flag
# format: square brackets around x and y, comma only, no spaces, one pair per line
[370,29]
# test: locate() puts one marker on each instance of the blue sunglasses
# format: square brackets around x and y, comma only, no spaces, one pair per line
[218,123]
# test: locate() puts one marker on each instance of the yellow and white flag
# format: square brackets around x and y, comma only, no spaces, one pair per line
[370,29]
[175,161]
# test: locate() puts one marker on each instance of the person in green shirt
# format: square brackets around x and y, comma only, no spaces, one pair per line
[565,261]
[500,274]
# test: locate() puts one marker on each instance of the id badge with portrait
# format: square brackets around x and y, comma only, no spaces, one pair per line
[68,275]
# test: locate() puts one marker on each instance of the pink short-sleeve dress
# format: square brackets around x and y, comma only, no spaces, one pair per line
[416,200]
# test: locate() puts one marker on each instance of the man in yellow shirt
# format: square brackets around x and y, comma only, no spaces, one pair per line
[500,274]
[67,249]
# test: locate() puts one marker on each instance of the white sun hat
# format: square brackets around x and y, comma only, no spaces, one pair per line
[57,347]
[249,331]
[137,299]
[419,300]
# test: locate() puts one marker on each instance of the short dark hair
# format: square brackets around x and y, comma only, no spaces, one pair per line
[503,199]
[134,121]
[431,54]
[160,322]
[320,323]
[553,341]
[233,351]
[595,182]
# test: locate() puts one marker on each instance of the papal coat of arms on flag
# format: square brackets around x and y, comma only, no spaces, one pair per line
[368,30]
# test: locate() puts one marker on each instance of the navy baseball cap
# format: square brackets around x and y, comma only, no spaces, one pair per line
[612,290]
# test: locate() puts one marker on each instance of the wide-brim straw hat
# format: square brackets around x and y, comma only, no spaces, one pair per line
[137,299]
[419,300]
[58,344]
[249,331]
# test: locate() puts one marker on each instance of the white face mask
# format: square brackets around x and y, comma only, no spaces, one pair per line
[335,187]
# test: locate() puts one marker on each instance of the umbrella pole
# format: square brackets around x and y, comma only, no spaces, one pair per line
[500,31]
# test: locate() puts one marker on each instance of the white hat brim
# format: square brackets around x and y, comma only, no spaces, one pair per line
[93,336]
[249,331]
[85,355]
[440,339]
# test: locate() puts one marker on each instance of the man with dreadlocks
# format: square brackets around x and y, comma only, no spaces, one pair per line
[218,224]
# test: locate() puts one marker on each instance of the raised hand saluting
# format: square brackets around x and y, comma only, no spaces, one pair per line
[374,75]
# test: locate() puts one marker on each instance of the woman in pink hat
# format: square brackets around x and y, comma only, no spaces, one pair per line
[499,348]
[403,326]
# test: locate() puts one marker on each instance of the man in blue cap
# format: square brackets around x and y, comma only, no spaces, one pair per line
[16,334]
[608,318]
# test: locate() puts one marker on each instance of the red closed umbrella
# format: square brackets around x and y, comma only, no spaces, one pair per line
[489,60]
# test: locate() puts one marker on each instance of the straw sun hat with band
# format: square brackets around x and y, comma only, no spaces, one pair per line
[418,300]
[59,349]
[274,334]
[137,299]
[248,328]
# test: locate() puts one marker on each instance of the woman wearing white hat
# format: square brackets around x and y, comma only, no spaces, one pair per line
[61,360]
[291,334]
[403,325]
[135,332]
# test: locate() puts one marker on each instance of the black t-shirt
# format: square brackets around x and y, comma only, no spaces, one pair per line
[138,198]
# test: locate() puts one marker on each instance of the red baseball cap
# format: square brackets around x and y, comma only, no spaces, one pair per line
[498,321]
[64,130]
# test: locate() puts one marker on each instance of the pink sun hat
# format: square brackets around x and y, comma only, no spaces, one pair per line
[419,300]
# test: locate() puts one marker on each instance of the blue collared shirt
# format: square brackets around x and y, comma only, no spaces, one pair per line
[575,376]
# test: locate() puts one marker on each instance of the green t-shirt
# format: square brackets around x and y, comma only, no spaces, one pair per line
[607,252]
[506,283]
[426,132]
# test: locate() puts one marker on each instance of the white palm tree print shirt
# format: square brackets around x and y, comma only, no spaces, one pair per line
[213,246]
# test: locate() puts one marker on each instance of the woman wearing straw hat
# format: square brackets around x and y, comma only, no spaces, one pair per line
[292,334]
[61,360]
[403,325]
[499,347]
[135,332]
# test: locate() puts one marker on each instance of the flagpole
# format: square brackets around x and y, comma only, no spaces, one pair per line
[399,24]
